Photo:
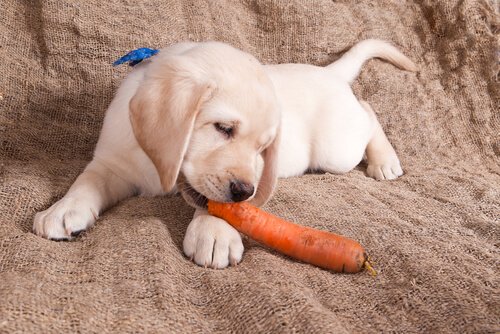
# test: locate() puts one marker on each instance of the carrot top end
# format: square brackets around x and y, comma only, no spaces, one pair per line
[369,268]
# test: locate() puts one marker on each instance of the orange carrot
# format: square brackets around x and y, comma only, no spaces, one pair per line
[320,248]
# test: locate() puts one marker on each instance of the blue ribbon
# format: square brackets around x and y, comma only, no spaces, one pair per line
[136,56]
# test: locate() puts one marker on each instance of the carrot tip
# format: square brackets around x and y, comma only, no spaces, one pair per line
[369,268]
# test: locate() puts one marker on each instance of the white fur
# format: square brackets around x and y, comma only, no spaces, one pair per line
[323,127]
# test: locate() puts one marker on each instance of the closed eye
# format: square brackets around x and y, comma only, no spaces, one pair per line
[226,130]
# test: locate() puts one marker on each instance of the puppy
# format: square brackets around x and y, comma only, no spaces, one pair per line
[210,121]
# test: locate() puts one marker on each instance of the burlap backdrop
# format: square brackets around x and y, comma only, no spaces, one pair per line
[433,233]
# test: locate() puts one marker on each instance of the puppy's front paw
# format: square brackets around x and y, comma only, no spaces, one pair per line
[64,220]
[211,242]
[385,169]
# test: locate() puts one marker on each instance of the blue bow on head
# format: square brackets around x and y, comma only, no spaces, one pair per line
[136,56]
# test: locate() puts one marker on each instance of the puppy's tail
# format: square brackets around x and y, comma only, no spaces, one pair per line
[349,65]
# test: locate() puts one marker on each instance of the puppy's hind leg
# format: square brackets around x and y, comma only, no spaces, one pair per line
[383,162]
[95,189]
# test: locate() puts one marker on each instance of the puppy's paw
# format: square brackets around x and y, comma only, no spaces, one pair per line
[385,169]
[64,220]
[211,242]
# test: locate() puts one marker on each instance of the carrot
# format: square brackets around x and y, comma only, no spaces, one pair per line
[320,248]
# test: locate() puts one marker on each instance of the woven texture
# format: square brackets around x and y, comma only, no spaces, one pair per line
[433,234]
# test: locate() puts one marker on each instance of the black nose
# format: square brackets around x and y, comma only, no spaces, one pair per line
[240,191]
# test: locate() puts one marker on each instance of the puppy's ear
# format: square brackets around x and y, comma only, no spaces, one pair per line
[163,112]
[269,176]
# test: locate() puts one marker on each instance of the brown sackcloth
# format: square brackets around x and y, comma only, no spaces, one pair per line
[433,234]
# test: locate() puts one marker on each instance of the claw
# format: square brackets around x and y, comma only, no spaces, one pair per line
[61,239]
[95,215]
[76,233]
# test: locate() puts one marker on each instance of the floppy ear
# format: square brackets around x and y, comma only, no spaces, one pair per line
[269,176]
[163,112]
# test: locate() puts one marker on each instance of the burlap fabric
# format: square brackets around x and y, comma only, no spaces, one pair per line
[433,234]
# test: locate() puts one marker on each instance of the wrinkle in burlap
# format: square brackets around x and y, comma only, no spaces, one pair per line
[433,234]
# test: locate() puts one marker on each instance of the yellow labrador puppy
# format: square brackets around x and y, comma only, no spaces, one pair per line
[212,122]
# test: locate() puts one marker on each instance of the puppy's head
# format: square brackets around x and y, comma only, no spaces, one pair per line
[209,120]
